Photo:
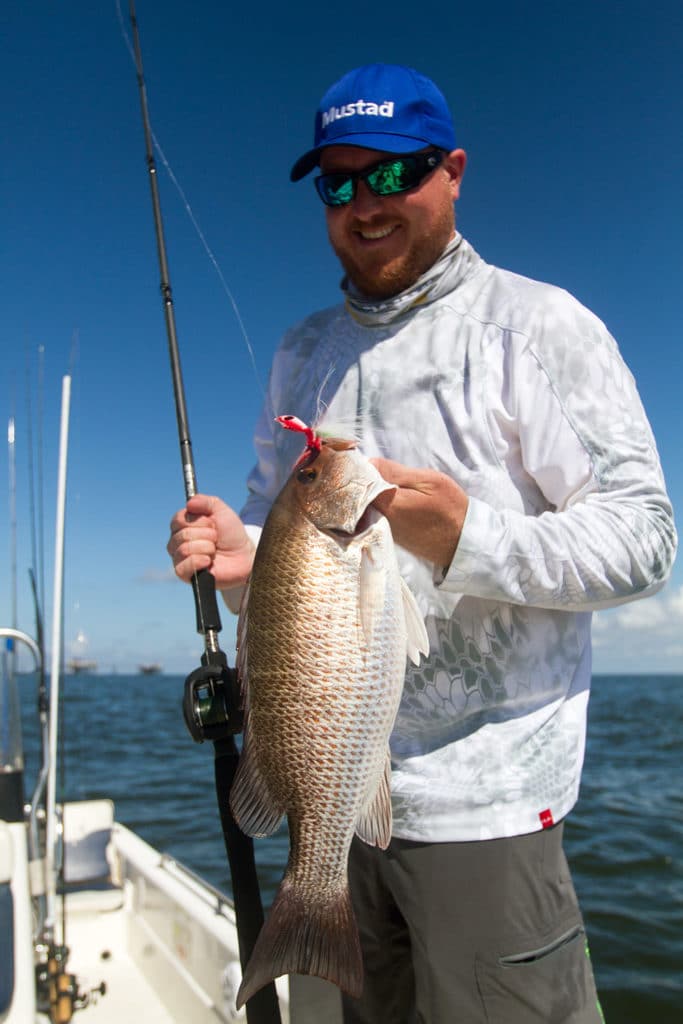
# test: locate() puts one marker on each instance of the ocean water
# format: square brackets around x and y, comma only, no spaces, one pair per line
[124,737]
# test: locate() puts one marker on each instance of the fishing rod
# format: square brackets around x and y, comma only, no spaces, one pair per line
[211,701]
[37,542]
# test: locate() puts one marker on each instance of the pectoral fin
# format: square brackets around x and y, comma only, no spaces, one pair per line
[371,591]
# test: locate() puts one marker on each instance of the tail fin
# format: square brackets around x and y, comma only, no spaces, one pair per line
[304,938]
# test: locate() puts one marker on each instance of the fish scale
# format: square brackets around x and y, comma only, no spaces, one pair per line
[322,648]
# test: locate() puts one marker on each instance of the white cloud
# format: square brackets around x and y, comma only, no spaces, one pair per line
[640,636]
[153,575]
[662,613]
[677,602]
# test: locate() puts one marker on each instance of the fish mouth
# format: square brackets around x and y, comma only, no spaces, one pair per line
[368,518]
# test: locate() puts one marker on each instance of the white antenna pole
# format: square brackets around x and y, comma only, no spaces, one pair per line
[13,514]
[8,653]
[56,653]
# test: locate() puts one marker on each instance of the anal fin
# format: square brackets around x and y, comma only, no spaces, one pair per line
[374,822]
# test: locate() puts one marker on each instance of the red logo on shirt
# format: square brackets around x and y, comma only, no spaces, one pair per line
[546,817]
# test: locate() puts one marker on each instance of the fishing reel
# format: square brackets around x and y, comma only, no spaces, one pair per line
[211,701]
[58,992]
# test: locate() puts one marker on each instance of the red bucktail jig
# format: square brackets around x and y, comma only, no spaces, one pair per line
[313,442]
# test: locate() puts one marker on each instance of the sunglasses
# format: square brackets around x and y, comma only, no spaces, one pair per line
[385,178]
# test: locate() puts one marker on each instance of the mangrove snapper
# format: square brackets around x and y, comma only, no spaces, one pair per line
[323,635]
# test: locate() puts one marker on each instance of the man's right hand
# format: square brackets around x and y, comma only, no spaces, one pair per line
[208,534]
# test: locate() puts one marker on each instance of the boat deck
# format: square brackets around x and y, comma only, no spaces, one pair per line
[97,936]
[150,941]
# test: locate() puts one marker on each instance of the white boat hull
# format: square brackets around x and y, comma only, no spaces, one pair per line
[148,940]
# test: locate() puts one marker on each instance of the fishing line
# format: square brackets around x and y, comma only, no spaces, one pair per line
[196,225]
[37,585]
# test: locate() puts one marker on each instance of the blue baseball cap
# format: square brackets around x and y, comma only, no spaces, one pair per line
[380,106]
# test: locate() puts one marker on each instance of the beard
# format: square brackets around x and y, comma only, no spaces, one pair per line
[378,278]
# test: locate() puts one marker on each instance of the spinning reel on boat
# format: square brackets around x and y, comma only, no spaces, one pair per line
[57,990]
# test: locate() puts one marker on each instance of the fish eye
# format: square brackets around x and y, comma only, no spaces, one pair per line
[307,475]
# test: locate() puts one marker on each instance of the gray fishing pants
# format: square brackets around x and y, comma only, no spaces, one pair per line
[470,933]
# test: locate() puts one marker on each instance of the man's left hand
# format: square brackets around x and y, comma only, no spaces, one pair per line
[426,513]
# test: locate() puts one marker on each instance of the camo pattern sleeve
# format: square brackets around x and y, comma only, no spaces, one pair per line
[607,533]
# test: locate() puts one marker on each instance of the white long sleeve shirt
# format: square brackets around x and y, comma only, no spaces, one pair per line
[519,393]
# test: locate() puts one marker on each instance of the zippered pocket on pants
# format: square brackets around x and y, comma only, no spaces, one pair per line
[532,955]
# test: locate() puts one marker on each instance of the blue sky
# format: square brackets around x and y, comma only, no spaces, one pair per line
[571,115]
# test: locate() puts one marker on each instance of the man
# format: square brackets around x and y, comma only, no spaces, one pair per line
[542,500]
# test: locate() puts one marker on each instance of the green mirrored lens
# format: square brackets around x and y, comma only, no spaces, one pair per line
[384,179]
[392,176]
[338,189]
